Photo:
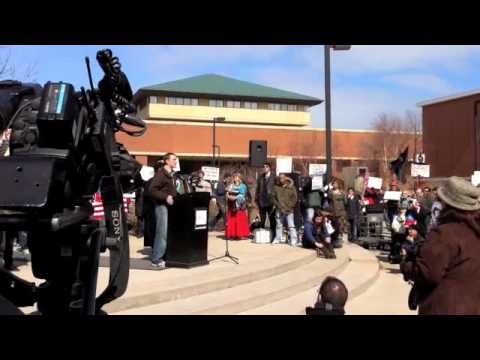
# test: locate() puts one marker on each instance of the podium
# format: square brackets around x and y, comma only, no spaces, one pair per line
[187,240]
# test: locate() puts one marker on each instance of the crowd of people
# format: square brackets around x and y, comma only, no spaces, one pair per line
[435,232]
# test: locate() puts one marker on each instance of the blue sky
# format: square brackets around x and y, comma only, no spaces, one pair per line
[366,81]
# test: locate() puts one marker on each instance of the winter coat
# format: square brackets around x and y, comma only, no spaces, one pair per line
[162,185]
[284,198]
[263,193]
[353,207]
[337,200]
[447,268]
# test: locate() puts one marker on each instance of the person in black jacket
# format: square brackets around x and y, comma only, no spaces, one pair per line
[263,198]
[354,211]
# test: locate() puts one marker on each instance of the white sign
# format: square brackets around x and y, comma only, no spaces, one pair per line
[147,172]
[374,182]
[392,195]
[476,178]
[200,219]
[211,173]
[317,183]
[317,169]
[421,170]
[284,165]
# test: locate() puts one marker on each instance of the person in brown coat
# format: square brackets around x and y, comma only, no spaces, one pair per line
[162,191]
[446,271]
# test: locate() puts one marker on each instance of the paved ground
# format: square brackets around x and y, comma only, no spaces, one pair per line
[388,296]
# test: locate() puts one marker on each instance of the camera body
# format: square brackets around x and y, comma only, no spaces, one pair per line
[62,151]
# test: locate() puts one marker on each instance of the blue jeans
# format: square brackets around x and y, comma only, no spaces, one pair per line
[292,232]
[308,234]
[161,231]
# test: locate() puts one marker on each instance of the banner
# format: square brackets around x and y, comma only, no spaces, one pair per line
[317,183]
[374,182]
[211,173]
[421,170]
[317,169]
[284,165]
[392,195]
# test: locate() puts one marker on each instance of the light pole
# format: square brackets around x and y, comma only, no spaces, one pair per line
[328,106]
[214,144]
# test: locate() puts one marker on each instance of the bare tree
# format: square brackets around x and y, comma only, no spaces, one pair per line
[393,135]
[308,151]
[8,70]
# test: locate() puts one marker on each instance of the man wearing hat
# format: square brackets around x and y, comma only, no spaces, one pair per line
[446,271]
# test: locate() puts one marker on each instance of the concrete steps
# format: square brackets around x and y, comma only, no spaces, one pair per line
[252,294]
[361,273]
[149,288]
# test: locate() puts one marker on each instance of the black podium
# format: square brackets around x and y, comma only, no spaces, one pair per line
[187,241]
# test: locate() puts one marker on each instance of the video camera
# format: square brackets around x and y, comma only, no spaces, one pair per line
[62,151]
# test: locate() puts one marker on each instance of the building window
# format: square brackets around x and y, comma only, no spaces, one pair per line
[276,107]
[153,100]
[283,107]
[250,105]
[233,104]
[292,107]
[181,101]
[215,103]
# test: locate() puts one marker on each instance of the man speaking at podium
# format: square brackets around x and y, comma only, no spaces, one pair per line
[162,191]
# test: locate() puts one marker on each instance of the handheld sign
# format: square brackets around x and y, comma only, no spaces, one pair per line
[317,183]
[421,170]
[211,173]
[284,165]
[392,195]
[374,182]
[317,169]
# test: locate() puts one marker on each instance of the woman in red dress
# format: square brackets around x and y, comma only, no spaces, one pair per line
[237,215]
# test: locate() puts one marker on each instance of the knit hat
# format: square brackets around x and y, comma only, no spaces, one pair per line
[460,194]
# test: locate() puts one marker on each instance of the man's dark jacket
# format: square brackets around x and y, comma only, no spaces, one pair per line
[163,184]
[263,194]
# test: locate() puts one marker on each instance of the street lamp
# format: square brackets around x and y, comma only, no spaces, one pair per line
[214,144]
[328,110]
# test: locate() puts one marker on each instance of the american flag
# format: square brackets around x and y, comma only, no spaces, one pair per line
[98,212]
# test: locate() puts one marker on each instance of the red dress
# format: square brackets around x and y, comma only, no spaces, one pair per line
[237,222]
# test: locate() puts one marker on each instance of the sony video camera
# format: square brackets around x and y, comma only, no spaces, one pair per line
[62,151]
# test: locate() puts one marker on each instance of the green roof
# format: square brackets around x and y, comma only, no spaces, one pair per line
[212,84]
